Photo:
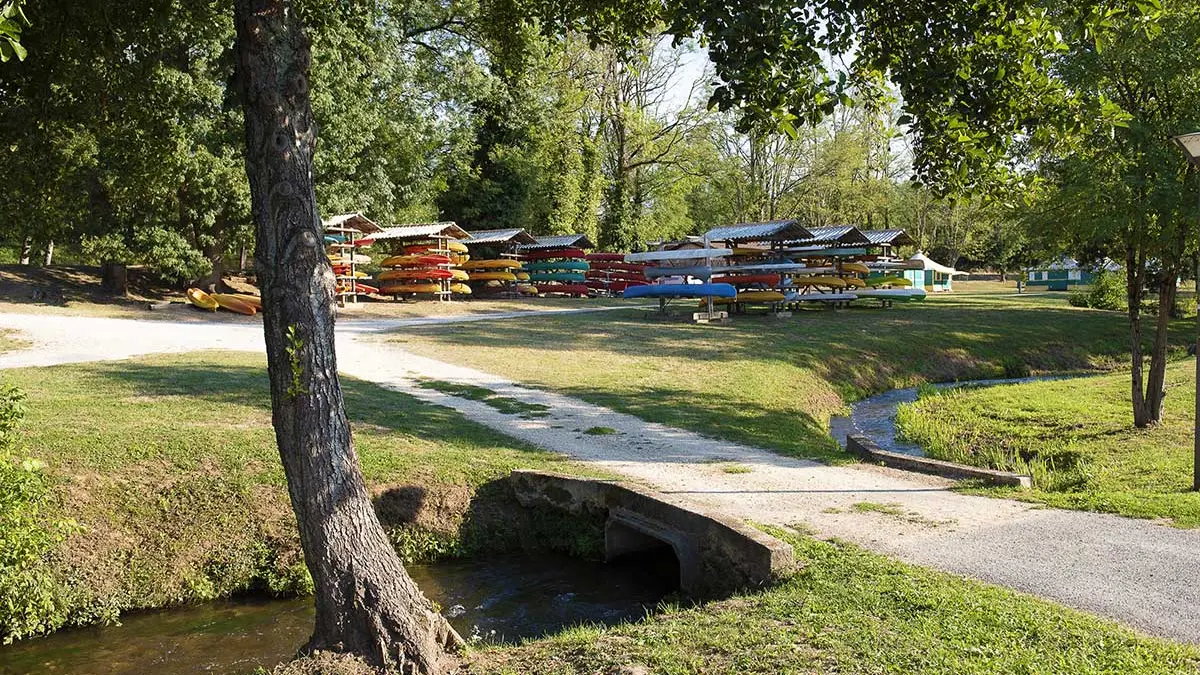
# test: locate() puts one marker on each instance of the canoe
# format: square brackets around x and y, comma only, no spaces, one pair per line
[752,297]
[412,260]
[365,288]
[605,257]
[745,252]
[854,282]
[492,265]
[561,289]
[459,258]
[459,275]
[888,281]
[557,276]
[682,254]
[747,279]
[896,294]
[522,276]
[526,289]
[559,266]
[616,266]
[682,291]
[616,275]
[411,288]
[576,253]
[855,267]
[343,259]
[407,274]
[827,282]
[793,296]
[615,286]
[493,276]
[460,289]
[201,299]
[335,238]
[252,300]
[452,246]
[700,272]
[231,303]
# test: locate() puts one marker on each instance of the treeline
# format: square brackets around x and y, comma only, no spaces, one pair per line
[122,139]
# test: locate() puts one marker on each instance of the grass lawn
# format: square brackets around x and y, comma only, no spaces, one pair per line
[775,382]
[1076,438]
[850,611]
[170,466]
[11,340]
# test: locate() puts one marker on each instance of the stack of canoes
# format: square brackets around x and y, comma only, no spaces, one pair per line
[609,273]
[345,262]
[560,271]
[494,275]
[420,272]
[452,255]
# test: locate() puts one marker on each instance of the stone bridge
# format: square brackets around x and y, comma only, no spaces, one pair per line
[717,555]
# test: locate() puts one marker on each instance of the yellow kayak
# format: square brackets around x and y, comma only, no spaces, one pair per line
[459,275]
[491,265]
[749,296]
[459,259]
[854,282]
[857,268]
[410,288]
[493,276]
[527,290]
[522,276]
[252,300]
[828,282]
[201,299]
[233,304]
[460,289]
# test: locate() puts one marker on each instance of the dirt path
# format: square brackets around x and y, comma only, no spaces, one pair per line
[1134,571]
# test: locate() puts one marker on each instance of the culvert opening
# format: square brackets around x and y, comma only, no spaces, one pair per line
[650,559]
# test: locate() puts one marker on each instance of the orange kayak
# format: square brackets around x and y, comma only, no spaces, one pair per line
[252,300]
[234,304]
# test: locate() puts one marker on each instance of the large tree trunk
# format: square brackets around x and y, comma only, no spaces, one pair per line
[366,603]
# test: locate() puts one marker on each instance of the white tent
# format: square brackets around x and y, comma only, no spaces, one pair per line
[920,261]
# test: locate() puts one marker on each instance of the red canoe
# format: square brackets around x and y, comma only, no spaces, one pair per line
[605,257]
[747,279]
[615,286]
[624,266]
[556,253]
[564,289]
[615,276]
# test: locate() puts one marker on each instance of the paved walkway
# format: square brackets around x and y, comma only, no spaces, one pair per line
[1137,572]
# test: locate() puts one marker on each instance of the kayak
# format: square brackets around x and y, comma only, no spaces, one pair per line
[557,276]
[617,266]
[343,259]
[745,279]
[252,300]
[857,268]
[682,291]
[460,289]
[428,273]
[615,286]
[700,272]
[411,288]
[854,282]
[364,288]
[560,266]
[897,294]
[411,260]
[558,253]
[751,296]
[493,276]
[459,275]
[452,246]
[681,254]
[793,296]
[888,281]
[525,289]
[618,275]
[561,289]
[828,282]
[233,304]
[605,257]
[201,299]
[491,265]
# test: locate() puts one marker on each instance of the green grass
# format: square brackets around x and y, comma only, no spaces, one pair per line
[1077,440]
[10,340]
[170,466]
[505,404]
[774,383]
[853,612]
[600,431]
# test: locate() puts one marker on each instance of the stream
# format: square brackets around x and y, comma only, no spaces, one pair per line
[500,599]
[875,416]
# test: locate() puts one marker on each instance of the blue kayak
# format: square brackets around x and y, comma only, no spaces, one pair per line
[699,271]
[681,291]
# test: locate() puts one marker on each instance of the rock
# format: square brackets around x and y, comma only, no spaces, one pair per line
[455,612]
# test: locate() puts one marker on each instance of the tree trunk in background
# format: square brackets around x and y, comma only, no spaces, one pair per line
[1156,388]
[49,253]
[26,251]
[1133,296]
[366,604]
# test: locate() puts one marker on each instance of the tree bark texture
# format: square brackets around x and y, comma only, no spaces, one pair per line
[1135,271]
[366,604]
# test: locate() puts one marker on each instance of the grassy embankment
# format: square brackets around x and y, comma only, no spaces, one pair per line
[1076,438]
[775,382]
[170,467]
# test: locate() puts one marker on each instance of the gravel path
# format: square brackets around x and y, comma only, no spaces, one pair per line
[1137,572]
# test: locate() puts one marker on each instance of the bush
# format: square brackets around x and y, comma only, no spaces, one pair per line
[1108,291]
[166,253]
[31,601]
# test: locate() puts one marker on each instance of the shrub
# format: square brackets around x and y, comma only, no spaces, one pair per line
[1108,291]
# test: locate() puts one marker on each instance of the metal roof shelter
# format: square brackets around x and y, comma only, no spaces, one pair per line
[514,236]
[352,221]
[558,241]
[776,230]
[890,238]
[423,230]
[846,235]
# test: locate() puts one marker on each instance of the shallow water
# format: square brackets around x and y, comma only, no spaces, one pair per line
[875,417]
[499,599]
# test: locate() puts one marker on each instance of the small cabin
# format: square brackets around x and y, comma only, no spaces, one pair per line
[1064,273]
[925,272]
